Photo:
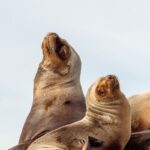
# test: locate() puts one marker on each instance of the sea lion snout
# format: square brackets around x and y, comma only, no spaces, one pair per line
[54,45]
[54,42]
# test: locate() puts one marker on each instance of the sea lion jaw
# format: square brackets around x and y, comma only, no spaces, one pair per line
[107,88]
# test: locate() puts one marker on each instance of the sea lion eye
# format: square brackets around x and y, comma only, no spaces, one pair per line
[100,91]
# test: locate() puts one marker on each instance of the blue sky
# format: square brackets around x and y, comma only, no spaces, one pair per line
[110,37]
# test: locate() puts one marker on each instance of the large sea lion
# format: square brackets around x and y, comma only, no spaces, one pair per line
[107,118]
[58,98]
[140,108]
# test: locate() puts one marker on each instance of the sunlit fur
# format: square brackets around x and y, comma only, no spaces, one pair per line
[140,108]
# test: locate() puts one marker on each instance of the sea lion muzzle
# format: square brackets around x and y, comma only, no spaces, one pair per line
[58,46]
[54,42]
[55,47]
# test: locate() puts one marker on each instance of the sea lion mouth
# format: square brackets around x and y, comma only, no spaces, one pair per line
[57,45]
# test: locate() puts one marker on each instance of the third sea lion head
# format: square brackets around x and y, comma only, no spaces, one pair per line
[107,88]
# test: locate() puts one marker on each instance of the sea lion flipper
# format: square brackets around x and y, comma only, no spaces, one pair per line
[20,147]
[139,141]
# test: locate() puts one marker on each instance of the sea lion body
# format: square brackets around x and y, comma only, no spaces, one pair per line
[140,108]
[58,97]
[106,119]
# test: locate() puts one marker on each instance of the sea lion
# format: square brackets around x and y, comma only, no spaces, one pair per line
[58,97]
[108,118]
[140,109]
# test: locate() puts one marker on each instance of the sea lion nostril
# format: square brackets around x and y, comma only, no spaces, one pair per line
[52,34]
[110,77]
[58,41]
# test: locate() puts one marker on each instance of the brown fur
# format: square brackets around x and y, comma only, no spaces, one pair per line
[140,108]
[48,105]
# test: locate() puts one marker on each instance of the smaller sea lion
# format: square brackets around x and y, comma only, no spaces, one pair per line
[108,119]
[140,110]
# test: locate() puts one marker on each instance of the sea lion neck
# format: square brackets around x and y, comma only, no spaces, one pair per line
[103,112]
[46,79]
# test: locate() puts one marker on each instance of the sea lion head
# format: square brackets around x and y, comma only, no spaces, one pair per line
[106,88]
[59,57]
